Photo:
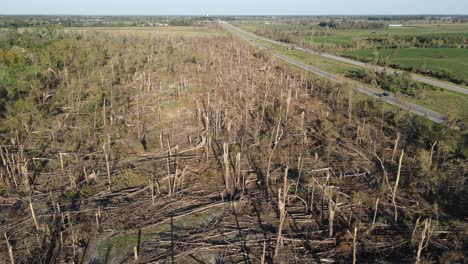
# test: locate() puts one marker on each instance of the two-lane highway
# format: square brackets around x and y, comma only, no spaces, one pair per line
[415,109]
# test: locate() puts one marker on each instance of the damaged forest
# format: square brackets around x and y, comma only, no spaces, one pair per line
[185,144]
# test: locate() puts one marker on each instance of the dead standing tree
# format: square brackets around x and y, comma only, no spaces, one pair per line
[426,234]
[278,132]
[10,249]
[396,186]
[282,196]
[229,183]
[106,147]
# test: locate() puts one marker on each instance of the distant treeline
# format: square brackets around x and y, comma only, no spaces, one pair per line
[458,18]
[98,21]
[290,35]
[424,41]
[395,83]
[351,17]
[314,28]
[351,24]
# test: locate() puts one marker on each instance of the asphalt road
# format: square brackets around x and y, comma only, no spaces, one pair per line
[415,109]
[418,78]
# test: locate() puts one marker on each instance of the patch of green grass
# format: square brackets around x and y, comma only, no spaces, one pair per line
[339,39]
[450,103]
[121,244]
[128,179]
[320,62]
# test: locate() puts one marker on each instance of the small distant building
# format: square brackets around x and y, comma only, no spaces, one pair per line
[395,25]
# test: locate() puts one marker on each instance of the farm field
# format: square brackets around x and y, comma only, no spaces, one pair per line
[403,46]
[433,59]
[347,36]
[186,144]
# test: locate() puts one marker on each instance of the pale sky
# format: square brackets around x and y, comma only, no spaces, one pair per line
[233,7]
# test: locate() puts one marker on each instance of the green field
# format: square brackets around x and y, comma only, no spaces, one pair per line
[348,36]
[434,50]
[345,37]
[452,104]
[432,59]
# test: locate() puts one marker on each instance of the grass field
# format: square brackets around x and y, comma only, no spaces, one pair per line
[311,59]
[433,59]
[344,37]
[452,104]
[347,36]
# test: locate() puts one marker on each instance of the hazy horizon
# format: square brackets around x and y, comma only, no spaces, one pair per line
[233,15]
[233,8]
